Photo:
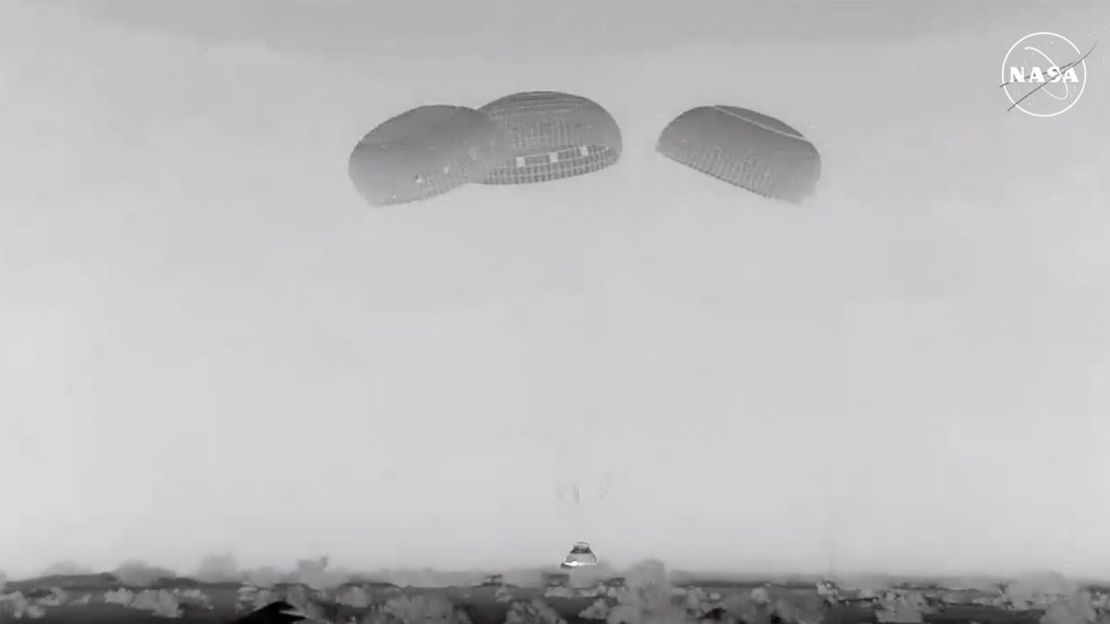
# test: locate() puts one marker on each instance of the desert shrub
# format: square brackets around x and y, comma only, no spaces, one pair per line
[418,609]
[534,612]
[137,573]
[307,600]
[1039,590]
[751,606]
[18,606]
[311,572]
[901,608]
[353,596]
[263,577]
[218,569]
[300,596]
[762,605]
[121,596]
[161,602]
[317,574]
[559,591]
[801,609]
[648,597]
[252,598]
[599,610]
[1075,609]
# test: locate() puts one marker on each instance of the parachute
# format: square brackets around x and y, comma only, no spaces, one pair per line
[554,135]
[425,152]
[744,148]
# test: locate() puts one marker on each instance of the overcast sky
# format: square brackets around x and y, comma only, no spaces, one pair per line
[211,344]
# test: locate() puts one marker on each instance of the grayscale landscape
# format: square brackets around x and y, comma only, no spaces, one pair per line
[211,343]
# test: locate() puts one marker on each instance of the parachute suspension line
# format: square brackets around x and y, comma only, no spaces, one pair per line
[589,491]
[577,489]
[579,514]
[829,515]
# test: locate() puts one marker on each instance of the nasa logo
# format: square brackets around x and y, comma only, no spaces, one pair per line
[1035,81]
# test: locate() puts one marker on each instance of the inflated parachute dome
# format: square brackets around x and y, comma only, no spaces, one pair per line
[744,148]
[425,152]
[554,135]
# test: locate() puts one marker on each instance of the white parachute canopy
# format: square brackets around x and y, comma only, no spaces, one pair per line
[746,149]
[554,135]
[425,152]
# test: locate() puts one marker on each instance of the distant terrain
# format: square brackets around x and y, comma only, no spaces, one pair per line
[647,593]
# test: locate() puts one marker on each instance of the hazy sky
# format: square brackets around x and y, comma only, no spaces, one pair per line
[211,344]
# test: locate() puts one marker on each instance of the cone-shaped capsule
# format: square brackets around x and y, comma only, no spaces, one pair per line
[580,555]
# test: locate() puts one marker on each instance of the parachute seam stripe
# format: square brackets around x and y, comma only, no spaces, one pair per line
[759,124]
